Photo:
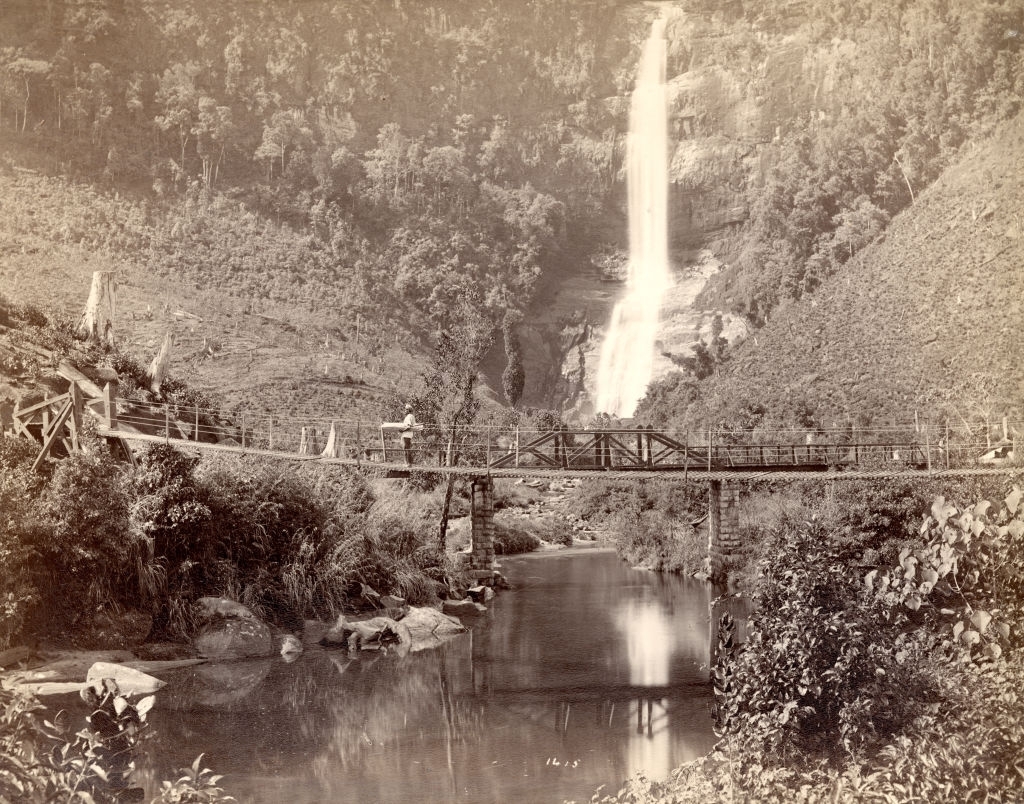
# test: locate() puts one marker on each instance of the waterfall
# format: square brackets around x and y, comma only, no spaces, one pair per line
[627,354]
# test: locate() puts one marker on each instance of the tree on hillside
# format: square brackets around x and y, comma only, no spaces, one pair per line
[514,376]
[450,396]
[178,97]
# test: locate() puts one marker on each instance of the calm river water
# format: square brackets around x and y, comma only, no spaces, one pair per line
[582,674]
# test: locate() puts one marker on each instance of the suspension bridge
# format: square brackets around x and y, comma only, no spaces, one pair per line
[724,458]
[611,448]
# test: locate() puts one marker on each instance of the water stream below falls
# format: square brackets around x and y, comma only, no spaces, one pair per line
[583,673]
[627,354]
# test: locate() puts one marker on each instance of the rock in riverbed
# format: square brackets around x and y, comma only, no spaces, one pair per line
[232,631]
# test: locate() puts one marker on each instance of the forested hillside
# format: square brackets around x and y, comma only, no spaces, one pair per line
[901,89]
[374,164]
[342,181]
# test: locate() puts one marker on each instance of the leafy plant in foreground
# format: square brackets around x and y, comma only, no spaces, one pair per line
[196,785]
[42,760]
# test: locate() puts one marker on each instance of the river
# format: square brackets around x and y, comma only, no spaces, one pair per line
[583,673]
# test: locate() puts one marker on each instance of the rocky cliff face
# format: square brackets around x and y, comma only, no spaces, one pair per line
[731,92]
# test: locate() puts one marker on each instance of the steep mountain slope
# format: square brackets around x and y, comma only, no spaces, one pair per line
[926,318]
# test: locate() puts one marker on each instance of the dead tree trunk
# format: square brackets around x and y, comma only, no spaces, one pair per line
[308,442]
[97,324]
[158,368]
[333,448]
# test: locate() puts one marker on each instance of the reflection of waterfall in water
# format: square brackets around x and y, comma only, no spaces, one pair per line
[655,640]
[627,355]
[650,642]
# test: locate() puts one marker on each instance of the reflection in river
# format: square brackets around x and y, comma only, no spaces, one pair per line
[582,674]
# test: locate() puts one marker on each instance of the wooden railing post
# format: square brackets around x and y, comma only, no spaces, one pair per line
[167,422]
[75,420]
[110,405]
[517,446]
[197,422]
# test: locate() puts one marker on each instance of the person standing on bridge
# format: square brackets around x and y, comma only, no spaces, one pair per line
[410,426]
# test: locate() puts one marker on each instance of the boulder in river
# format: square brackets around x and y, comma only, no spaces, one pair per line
[210,608]
[235,638]
[291,647]
[480,594]
[365,634]
[428,628]
[463,608]
[129,680]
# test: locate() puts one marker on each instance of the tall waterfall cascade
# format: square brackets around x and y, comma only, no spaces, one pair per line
[627,354]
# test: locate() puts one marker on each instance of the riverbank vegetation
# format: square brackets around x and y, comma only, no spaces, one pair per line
[651,523]
[95,539]
[883,662]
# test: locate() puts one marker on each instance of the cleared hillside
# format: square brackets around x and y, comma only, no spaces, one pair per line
[237,342]
[926,318]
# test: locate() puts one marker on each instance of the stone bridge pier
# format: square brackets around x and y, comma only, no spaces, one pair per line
[481,557]
[725,543]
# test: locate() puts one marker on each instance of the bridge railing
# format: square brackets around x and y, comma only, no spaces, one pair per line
[598,448]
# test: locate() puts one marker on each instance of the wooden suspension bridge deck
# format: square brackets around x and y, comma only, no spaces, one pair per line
[633,452]
[641,452]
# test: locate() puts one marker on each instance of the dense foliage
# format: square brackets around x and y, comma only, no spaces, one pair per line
[873,681]
[96,538]
[653,523]
[927,77]
[381,153]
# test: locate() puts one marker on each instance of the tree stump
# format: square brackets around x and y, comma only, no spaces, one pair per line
[308,443]
[333,448]
[97,324]
[158,368]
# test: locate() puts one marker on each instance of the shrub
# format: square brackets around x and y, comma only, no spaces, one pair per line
[513,495]
[510,540]
[650,537]
[820,670]
[554,531]
[169,510]
[46,760]
[88,554]
[19,531]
